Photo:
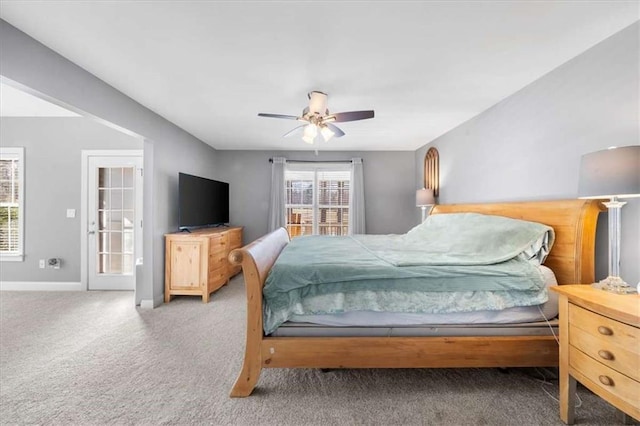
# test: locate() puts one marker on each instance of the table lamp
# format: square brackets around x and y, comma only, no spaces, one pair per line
[612,173]
[424,198]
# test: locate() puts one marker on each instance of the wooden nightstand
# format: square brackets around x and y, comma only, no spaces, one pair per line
[599,347]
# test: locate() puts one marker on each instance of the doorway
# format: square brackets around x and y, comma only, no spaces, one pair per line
[111,218]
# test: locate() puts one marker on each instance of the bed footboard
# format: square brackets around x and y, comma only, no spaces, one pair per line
[256,260]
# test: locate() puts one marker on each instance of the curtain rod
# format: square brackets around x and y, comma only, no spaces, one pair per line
[315,161]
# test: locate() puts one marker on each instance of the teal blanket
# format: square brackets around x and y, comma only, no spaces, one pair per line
[447,253]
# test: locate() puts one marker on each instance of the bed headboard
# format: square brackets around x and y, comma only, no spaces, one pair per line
[574,222]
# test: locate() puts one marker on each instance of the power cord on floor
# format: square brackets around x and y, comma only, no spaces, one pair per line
[549,324]
[544,381]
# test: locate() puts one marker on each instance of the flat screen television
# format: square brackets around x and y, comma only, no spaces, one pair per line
[202,202]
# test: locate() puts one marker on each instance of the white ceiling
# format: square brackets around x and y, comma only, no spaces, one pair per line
[16,103]
[424,67]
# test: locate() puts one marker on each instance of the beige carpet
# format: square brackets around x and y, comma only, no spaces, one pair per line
[87,358]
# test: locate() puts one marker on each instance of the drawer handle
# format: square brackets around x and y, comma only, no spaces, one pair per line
[605,330]
[606,355]
[606,380]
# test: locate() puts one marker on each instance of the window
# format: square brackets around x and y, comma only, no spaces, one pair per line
[317,199]
[11,203]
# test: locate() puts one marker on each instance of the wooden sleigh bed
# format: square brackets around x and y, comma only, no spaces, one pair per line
[571,259]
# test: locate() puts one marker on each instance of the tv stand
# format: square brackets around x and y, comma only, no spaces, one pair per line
[196,261]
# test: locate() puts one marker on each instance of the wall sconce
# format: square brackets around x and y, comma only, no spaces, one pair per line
[432,171]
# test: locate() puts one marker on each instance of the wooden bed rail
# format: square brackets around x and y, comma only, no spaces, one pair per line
[256,259]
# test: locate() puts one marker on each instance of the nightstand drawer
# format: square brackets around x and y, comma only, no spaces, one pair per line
[619,358]
[603,380]
[611,331]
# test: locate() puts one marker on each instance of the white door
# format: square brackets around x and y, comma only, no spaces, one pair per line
[114,220]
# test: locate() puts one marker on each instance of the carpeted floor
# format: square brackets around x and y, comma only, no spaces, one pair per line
[86,358]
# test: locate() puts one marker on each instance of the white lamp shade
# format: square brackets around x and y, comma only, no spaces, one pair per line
[327,133]
[424,197]
[609,173]
[310,132]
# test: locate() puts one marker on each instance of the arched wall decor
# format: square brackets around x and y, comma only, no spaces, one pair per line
[432,171]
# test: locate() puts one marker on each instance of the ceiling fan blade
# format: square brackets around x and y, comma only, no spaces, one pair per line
[294,131]
[286,117]
[335,129]
[341,117]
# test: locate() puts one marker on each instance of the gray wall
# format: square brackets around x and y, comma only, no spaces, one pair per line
[388,182]
[51,76]
[528,146]
[52,185]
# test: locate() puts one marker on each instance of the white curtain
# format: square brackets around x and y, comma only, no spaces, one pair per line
[356,212]
[277,211]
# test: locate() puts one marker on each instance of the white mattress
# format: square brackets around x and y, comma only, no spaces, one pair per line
[520,314]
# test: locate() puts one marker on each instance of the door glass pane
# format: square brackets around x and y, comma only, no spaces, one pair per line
[127,219]
[103,242]
[116,178]
[116,199]
[127,181]
[318,201]
[115,221]
[103,219]
[102,263]
[299,221]
[116,242]
[115,214]
[103,177]
[128,199]
[116,264]
[128,242]
[103,199]
[5,192]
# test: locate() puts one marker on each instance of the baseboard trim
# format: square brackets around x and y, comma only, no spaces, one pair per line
[146,304]
[152,303]
[39,286]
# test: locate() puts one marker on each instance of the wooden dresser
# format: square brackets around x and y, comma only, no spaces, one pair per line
[599,347]
[196,262]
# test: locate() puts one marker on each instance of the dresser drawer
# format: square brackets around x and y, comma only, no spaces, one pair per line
[622,359]
[216,261]
[218,275]
[217,244]
[606,382]
[235,239]
[606,329]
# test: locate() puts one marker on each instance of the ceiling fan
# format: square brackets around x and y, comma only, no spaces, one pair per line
[318,118]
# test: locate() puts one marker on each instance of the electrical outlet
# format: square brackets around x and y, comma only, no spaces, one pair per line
[54,263]
[41,264]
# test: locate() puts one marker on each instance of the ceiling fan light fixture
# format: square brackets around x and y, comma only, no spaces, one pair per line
[327,133]
[319,119]
[310,133]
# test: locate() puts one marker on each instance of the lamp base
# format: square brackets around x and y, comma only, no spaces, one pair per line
[614,285]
